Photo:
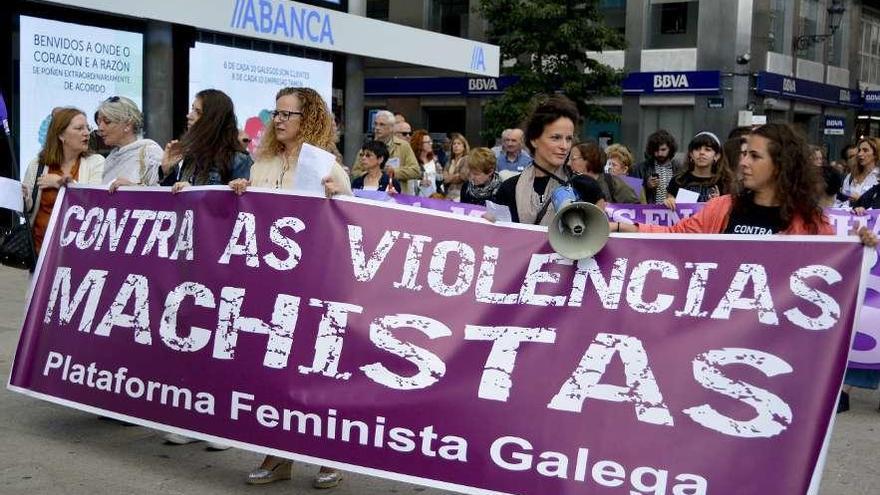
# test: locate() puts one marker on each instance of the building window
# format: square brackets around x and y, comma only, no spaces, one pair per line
[377,9]
[869,51]
[808,25]
[449,17]
[614,13]
[673,18]
[673,24]
[838,43]
[777,40]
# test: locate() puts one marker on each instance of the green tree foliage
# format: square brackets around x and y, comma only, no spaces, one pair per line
[549,40]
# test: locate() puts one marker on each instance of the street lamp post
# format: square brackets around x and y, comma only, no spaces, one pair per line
[835,16]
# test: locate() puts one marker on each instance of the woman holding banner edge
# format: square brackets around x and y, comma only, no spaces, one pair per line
[300,117]
[779,194]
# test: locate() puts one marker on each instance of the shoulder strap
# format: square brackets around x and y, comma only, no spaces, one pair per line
[34,190]
[543,210]
[143,166]
[610,185]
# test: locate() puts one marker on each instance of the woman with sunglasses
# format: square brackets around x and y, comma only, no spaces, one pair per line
[210,152]
[134,160]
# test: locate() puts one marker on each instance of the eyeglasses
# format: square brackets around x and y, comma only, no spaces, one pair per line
[283,115]
[112,99]
[246,140]
[405,133]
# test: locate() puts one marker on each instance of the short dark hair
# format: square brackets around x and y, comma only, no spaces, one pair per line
[658,139]
[548,110]
[377,148]
[833,180]
[846,148]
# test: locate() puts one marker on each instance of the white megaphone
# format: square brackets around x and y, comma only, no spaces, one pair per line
[579,229]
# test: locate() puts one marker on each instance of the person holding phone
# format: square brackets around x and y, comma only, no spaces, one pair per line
[659,166]
[778,194]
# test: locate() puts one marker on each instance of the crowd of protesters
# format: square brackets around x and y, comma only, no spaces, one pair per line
[763,180]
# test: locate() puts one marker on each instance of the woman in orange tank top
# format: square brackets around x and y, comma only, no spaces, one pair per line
[65,158]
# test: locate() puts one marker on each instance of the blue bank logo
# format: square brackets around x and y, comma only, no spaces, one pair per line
[671,81]
[282,19]
[478,59]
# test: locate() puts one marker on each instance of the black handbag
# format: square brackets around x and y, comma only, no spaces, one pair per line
[17,248]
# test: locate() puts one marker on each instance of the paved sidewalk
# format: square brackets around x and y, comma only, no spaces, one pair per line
[49,449]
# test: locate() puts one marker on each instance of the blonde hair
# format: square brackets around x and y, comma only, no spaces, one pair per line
[458,137]
[622,153]
[122,110]
[315,124]
[481,160]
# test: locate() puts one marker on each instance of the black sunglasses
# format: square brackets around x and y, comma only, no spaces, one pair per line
[112,99]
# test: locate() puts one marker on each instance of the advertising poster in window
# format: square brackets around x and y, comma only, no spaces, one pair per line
[72,65]
[252,79]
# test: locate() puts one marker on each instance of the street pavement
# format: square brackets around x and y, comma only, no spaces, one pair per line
[50,449]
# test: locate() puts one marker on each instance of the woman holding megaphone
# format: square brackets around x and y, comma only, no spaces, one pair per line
[549,136]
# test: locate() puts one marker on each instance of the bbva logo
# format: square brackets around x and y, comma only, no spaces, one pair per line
[482,84]
[789,85]
[670,81]
[478,59]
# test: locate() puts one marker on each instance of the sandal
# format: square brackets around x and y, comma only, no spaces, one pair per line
[325,480]
[262,476]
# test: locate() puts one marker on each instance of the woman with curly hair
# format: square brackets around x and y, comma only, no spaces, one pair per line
[300,116]
[779,194]
[620,159]
[210,151]
[705,174]
[455,174]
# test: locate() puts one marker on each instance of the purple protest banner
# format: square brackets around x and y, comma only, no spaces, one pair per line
[865,352]
[421,202]
[650,214]
[441,349]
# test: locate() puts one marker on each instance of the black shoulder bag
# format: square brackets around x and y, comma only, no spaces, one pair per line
[17,244]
